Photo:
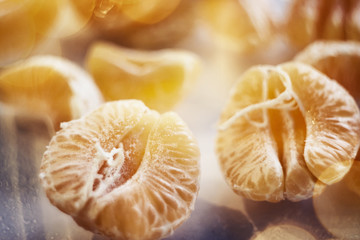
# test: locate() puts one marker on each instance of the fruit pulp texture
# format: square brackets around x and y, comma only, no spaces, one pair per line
[123,170]
[44,92]
[159,78]
[285,134]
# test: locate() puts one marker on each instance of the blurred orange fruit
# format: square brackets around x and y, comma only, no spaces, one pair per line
[124,171]
[285,128]
[339,60]
[144,24]
[242,26]
[50,86]
[310,20]
[158,78]
[73,17]
[23,25]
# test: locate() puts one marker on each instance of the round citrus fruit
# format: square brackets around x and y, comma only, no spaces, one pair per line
[238,25]
[124,171]
[144,24]
[309,20]
[49,85]
[158,78]
[23,25]
[339,60]
[285,129]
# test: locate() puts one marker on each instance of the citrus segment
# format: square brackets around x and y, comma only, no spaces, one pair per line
[282,129]
[49,85]
[336,59]
[247,148]
[158,78]
[332,123]
[124,171]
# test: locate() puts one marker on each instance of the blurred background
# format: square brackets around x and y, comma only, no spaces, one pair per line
[229,36]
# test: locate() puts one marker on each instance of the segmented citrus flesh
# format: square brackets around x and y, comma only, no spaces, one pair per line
[284,129]
[159,78]
[338,60]
[310,20]
[239,25]
[124,171]
[23,25]
[50,86]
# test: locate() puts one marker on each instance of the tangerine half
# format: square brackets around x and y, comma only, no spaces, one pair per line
[124,171]
[284,129]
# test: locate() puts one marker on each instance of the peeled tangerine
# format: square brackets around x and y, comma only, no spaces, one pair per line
[310,20]
[339,60]
[144,24]
[50,86]
[285,129]
[159,78]
[124,171]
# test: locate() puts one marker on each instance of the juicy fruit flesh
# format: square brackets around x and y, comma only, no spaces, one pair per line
[136,171]
[49,86]
[337,60]
[32,94]
[159,79]
[287,137]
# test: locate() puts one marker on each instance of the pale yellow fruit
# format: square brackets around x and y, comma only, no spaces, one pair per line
[339,60]
[124,171]
[310,20]
[284,129]
[159,78]
[144,24]
[50,86]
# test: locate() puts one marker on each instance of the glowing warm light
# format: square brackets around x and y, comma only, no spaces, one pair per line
[284,231]
[338,207]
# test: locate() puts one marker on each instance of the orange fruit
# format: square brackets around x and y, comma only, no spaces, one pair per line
[123,170]
[50,86]
[158,78]
[23,25]
[284,129]
[238,25]
[144,24]
[339,60]
[310,20]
